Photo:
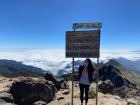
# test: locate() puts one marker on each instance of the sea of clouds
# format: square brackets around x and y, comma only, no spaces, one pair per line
[54,59]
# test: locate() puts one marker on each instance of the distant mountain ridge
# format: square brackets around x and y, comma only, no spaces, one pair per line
[129,64]
[13,68]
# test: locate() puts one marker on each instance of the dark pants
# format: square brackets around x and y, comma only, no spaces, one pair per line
[84,89]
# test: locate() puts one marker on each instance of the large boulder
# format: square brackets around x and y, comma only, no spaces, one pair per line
[57,82]
[105,86]
[28,90]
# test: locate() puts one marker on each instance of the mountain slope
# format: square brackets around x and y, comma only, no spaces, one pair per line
[129,64]
[14,68]
[125,73]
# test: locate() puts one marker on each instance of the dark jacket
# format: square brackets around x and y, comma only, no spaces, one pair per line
[90,73]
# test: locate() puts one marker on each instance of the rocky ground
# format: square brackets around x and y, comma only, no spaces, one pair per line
[5,83]
[103,99]
[63,96]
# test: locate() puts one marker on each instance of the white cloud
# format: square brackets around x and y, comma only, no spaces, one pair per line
[54,59]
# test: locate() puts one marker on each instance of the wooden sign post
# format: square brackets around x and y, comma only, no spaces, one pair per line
[83,44]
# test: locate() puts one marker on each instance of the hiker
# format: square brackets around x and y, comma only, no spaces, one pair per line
[86,75]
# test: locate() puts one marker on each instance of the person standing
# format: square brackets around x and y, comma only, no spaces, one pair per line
[86,73]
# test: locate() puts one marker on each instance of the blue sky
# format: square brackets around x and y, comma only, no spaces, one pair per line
[42,23]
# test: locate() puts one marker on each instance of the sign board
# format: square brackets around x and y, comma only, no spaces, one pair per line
[83,43]
[87,25]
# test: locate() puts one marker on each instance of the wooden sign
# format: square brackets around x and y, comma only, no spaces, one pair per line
[83,44]
[87,25]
